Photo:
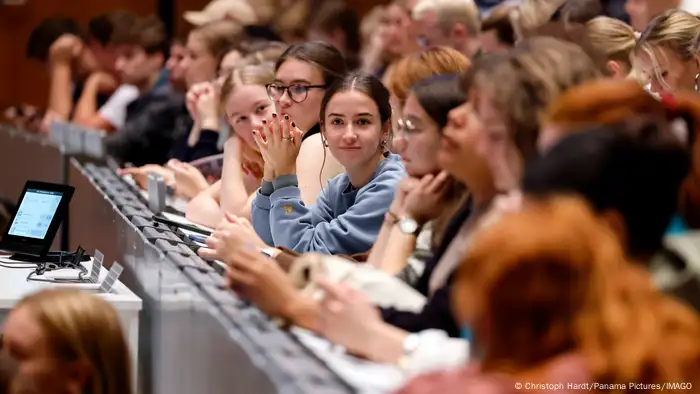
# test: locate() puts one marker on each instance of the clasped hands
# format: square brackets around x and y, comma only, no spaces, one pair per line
[202,102]
[279,141]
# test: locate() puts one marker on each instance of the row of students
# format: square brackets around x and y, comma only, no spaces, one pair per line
[510,251]
[510,142]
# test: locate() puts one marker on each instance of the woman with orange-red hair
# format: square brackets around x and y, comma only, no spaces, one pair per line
[562,308]
[610,102]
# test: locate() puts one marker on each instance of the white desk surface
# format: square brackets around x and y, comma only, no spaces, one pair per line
[14,286]
[366,377]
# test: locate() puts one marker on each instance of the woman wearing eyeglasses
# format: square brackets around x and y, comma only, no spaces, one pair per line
[302,74]
[348,213]
[427,198]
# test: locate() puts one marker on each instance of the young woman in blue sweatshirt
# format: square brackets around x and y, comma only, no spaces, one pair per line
[349,212]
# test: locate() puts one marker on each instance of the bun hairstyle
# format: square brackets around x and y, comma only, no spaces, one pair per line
[611,102]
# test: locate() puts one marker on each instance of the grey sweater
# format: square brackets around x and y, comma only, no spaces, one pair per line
[343,220]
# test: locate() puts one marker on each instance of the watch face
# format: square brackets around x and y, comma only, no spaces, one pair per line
[408,226]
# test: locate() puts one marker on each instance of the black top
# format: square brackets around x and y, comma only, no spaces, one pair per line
[147,136]
[314,130]
[261,32]
[207,144]
[437,312]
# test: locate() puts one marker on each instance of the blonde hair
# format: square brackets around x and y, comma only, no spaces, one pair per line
[676,30]
[255,74]
[451,12]
[219,37]
[532,14]
[613,38]
[84,327]
[370,23]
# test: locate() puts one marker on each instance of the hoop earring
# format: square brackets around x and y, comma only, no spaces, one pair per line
[697,85]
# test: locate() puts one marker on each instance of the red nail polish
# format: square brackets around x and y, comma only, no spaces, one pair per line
[264,121]
[293,125]
[274,115]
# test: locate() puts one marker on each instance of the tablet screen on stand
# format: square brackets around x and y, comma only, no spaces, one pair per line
[40,210]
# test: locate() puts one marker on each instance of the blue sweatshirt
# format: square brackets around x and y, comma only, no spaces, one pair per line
[343,220]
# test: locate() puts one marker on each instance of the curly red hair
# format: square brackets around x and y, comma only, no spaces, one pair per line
[553,280]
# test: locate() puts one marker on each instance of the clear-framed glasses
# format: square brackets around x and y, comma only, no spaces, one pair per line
[406,128]
[297,92]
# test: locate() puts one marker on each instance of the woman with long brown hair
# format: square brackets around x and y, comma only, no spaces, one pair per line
[511,97]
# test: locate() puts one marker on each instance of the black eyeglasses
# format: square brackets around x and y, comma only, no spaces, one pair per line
[297,93]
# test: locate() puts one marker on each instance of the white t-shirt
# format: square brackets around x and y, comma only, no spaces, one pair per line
[114,110]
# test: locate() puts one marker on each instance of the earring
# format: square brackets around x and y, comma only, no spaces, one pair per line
[697,87]
[325,143]
[383,145]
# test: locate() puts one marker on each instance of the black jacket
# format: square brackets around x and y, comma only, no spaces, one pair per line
[436,313]
[147,136]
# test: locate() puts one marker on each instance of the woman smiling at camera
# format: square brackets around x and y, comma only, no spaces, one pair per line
[349,212]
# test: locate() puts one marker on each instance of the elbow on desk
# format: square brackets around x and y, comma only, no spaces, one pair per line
[204,210]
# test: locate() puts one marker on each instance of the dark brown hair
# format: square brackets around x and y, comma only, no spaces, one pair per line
[499,20]
[326,57]
[112,27]
[337,15]
[610,102]
[149,34]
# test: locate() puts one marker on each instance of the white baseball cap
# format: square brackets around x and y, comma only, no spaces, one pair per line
[239,11]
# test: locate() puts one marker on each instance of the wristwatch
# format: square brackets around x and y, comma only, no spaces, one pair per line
[409,226]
